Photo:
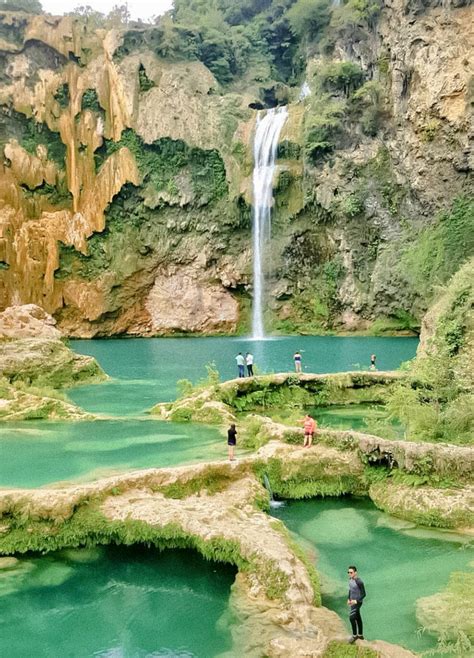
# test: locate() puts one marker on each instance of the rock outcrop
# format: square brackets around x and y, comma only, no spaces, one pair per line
[218,404]
[27,321]
[35,364]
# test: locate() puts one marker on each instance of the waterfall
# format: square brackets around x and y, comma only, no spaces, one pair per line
[264,150]
[305,91]
[273,503]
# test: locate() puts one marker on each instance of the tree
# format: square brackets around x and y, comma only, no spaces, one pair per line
[307,18]
[119,16]
[29,6]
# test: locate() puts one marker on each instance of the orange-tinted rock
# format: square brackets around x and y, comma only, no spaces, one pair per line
[27,321]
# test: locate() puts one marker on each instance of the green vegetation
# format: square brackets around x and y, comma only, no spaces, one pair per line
[312,309]
[34,133]
[186,388]
[144,81]
[253,433]
[316,476]
[431,255]
[353,17]
[57,195]
[367,107]
[440,613]
[266,392]
[213,480]
[400,501]
[435,403]
[162,161]
[28,6]
[308,18]
[62,95]
[343,77]
[399,321]
[323,126]
[166,166]
[339,649]
[90,101]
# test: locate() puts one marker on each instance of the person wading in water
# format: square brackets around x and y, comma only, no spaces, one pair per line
[355,597]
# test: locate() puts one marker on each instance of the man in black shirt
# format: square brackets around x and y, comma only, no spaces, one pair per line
[354,600]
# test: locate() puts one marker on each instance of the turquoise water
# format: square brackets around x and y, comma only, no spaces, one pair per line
[361,417]
[397,565]
[115,602]
[34,453]
[146,369]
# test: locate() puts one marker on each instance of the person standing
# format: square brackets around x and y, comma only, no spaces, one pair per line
[354,601]
[297,360]
[240,364]
[249,362]
[309,427]
[231,441]
[373,359]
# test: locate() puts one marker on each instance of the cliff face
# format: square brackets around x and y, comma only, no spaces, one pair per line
[125,183]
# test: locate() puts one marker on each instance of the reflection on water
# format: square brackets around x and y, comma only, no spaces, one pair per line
[398,562]
[128,602]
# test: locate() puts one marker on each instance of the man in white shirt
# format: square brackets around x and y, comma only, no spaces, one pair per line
[241,364]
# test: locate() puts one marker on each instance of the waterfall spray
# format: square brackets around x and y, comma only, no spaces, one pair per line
[265,147]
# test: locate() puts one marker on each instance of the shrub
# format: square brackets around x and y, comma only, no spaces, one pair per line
[308,18]
[343,77]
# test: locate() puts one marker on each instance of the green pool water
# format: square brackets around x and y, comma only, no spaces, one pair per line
[398,563]
[42,452]
[361,417]
[145,370]
[115,602]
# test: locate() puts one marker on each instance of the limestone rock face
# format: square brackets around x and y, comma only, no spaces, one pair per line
[122,168]
[27,321]
[179,302]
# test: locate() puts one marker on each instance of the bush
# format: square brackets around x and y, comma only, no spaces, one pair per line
[28,6]
[308,18]
[343,77]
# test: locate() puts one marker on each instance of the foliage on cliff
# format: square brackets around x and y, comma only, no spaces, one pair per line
[436,403]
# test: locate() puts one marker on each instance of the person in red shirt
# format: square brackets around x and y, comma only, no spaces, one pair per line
[309,427]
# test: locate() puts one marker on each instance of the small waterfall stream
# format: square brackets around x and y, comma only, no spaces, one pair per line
[267,133]
[274,504]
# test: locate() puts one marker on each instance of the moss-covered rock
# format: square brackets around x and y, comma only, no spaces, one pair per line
[438,507]
[46,362]
[23,402]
